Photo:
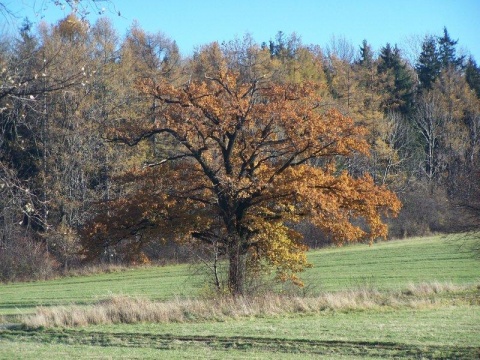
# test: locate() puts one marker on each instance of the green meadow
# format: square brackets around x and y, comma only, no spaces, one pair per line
[444,322]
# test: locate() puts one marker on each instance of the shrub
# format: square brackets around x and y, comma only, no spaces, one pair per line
[24,259]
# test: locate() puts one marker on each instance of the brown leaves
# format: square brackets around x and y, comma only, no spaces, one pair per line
[245,155]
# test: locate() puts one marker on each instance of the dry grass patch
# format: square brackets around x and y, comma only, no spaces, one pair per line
[95,269]
[122,309]
[428,289]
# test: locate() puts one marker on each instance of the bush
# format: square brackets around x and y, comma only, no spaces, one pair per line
[24,259]
[425,210]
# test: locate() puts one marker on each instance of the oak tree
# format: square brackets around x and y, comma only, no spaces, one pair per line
[241,174]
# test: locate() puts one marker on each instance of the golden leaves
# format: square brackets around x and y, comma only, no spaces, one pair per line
[280,246]
[348,208]
[252,160]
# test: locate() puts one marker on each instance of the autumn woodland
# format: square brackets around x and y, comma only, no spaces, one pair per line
[119,150]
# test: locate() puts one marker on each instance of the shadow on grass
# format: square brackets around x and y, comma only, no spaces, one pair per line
[174,342]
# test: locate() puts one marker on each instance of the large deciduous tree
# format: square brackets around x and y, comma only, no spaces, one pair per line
[240,174]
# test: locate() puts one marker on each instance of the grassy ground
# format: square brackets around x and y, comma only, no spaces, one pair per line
[385,266]
[34,351]
[159,283]
[394,264]
[443,332]
[448,327]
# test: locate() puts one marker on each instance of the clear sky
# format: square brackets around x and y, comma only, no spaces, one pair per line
[196,22]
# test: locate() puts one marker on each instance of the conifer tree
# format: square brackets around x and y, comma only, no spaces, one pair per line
[428,66]
[366,55]
[472,75]
[447,52]
[399,88]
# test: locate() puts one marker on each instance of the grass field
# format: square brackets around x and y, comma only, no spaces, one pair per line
[446,325]
[394,264]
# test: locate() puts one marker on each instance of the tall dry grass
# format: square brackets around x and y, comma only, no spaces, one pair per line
[94,269]
[428,289]
[122,309]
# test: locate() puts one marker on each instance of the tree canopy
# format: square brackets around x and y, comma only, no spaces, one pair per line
[248,161]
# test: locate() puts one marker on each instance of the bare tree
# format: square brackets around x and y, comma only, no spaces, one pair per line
[429,121]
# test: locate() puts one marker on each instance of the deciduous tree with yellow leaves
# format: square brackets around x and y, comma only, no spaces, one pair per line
[246,161]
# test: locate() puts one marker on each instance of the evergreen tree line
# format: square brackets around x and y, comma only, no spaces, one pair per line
[64,88]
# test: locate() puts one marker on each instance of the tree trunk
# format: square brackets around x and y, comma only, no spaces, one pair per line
[237,268]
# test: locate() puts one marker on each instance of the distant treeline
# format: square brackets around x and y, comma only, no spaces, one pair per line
[64,87]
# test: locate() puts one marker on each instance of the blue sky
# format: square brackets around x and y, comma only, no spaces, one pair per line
[196,22]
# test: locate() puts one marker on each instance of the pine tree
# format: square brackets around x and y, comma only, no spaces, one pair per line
[399,87]
[472,75]
[428,66]
[366,55]
[366,100]
[446,52]
[388,58]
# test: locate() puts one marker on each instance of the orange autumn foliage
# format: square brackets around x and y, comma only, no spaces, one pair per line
[250,160]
